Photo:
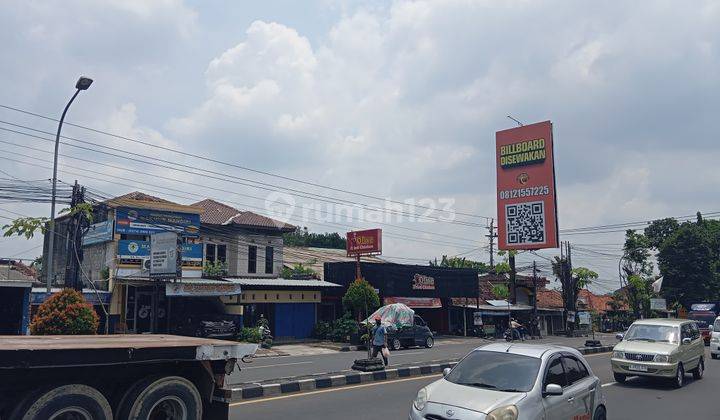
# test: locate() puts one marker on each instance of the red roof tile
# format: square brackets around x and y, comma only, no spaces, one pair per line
[140,196]
[549,299]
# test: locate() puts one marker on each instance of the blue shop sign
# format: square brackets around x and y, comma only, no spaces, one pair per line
[131,249]
[146,222]
[98,232]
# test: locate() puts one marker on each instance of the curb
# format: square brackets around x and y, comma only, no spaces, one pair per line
[260,390]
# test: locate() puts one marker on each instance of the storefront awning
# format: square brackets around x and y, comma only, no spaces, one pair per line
[415,302]
[201,287]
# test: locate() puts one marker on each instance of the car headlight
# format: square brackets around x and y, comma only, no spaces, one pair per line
[618,355]
[508,412]
[420,400]
[661,358]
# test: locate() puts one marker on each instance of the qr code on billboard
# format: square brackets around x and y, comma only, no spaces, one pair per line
[525,223]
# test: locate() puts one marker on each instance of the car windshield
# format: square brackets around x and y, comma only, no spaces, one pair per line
[652,333]
[703,320]
[497,371]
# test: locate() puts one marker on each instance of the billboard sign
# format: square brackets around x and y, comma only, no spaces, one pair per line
[98,233]
[658,304]
[422,282]
[364,242]
[164,258]
[526,197]
[135,250]
[131,221]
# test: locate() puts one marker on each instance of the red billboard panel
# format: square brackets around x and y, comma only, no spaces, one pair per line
[364,242]
[526,199]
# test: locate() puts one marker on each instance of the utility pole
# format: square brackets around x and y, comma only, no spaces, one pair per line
[492,235]
[534,290]
[513,277]
[74,251]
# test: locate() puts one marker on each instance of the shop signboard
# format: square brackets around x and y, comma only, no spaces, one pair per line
[202,289]
[570,316]
[98,233]
[165,261]
[584,318]
[477,319]
[423,282]
[135,250]
[526,196]
[415,302]
[364,242]
[132,221]
[658,304]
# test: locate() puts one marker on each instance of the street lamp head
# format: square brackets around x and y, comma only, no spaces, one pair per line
[83,83]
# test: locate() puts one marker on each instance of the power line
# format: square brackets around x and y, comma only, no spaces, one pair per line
[217,161]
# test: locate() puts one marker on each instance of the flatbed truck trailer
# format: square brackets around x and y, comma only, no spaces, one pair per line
[122,377]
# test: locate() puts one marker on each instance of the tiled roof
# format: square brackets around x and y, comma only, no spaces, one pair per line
[598,303]
[140,196]
[217,213]
[16,270]
[549,299]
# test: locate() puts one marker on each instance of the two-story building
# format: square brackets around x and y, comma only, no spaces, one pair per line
[250,249]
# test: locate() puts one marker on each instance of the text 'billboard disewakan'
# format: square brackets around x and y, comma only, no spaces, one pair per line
[526,197]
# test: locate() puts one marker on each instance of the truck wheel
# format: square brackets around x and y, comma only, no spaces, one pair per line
[65,402]
[165,397]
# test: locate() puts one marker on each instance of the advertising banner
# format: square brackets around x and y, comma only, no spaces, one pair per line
[98,233]
[133,250]
[364,242]
[658,304]
[202,289]
[526,197]
[164,259]
[422,282]
[583,318]
[146,222]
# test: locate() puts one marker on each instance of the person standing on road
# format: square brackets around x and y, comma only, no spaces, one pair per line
[379,341]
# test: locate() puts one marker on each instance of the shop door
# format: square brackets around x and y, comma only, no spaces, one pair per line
[294,320]
[142,312]
[11,310]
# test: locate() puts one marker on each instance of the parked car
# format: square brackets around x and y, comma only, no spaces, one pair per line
[198,317]
[418,334]
[715,339]
[514,381]
[663,348]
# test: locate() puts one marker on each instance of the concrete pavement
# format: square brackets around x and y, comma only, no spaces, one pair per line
[639,398]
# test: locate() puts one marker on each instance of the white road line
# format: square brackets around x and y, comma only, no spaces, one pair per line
[279,364]
[608,384]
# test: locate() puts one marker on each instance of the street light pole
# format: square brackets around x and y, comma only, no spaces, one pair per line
[82,84]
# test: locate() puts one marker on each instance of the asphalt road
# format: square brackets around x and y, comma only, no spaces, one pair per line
[637,399]
[287,366]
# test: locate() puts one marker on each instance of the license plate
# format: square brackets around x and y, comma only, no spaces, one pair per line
[639,368]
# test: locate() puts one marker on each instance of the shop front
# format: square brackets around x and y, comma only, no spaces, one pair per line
[290,306]
[427,290]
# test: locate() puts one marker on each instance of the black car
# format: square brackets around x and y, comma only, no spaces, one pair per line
[411,335]
[202,318]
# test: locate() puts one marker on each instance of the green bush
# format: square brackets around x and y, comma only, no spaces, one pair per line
[250,335]
[65,313]
[343,328]
[322,330]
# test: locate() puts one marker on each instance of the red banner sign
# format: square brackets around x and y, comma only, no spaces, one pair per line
[526,198]
[415,302]
[364,242]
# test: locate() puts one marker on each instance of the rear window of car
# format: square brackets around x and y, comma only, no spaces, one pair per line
[498,371]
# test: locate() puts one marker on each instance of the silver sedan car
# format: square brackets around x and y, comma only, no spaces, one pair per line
[506,381]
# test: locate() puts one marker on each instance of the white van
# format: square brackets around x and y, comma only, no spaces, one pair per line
[715,339]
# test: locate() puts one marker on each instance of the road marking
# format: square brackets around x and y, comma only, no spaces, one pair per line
[608,384]
[344,388]
[279,364]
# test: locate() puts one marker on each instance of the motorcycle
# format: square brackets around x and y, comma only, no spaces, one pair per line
[511,334]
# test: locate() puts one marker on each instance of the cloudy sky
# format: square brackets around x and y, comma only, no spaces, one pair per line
[387,99]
